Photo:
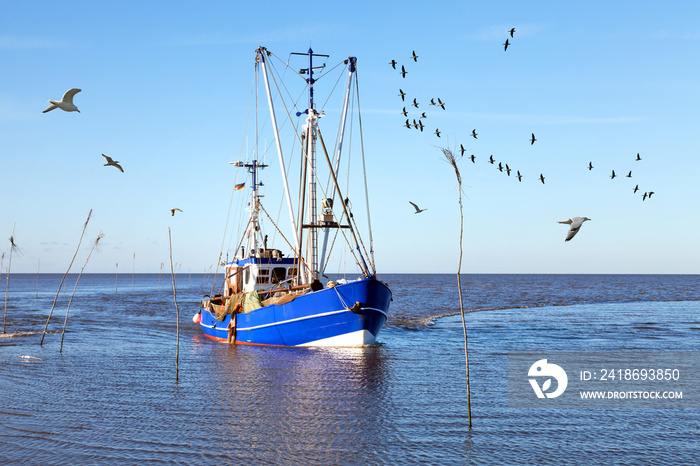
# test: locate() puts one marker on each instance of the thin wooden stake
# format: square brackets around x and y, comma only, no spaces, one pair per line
[64,277]
[94,245]
[13,247]
[451,160]
[177,310]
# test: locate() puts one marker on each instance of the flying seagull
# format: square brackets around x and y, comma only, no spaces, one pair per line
[575,223]
[474,133]
[644,196]
[420,125]
[532,139]
[512,31]
[473,158]
[520,177]
[629,175]
[172,211]
[403,72]
[508,169]
[423,115]
[418,209]
[432,101]
[638,157]
[636,188]
[393,63]
[408,124]
[506,45]
[437,131]
[542,178]
[415,103]
[441,103]
[66,102]
[112,163]
[461,149]
[402,94]
[404,112]
[414,56]
[613,175]
[590,165]
[491,159]
[500,167]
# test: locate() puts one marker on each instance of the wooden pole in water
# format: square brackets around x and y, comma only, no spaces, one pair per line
[177,310]
[64,277]
[451,160]
[13,247]
[38,267]
[94,246]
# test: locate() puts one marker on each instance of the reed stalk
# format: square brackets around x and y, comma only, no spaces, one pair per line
[13,248]
[64,277]
[449,156]
[94,246]
[177,310]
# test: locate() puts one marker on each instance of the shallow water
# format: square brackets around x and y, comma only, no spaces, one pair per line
[111,394]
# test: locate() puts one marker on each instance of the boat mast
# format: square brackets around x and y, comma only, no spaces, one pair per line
[261,58]
[351,70]
[311,128]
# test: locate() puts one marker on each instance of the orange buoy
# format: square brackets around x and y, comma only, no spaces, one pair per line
[197,318]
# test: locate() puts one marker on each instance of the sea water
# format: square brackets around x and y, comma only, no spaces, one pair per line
[111,395]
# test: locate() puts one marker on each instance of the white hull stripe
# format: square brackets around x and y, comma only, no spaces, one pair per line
[358,338]
[298,319]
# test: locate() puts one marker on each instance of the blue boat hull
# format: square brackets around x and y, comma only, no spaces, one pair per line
[349,314]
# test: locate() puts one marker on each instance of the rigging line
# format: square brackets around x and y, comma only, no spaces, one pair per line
[323,145]
[282,234]
[342,62]
[337,140]
[285,64]
[330,94]
[272,75]
[364,171]
[233,190]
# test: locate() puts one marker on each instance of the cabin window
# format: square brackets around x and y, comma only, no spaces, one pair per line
[278,274]
[246,275]
[292,272]
[263,276]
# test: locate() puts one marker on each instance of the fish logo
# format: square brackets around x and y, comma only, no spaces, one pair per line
[544,369]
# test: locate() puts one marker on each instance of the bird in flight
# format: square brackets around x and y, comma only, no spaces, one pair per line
[418,209]
[500,167]
[415,124]
[432,101]
[506,45]
[613,175]
[172,211]
[423,115]
[112,163]
[474,133]
[393,63]
[491,159]
[512,31]
[441,103]
[629,175]
[508,169]
[437,131]
[590,165]
[408,123]
[404,112]
[461,149]
[575,223]
[414,56]
[403,72]
[520,177]
[644,196]
[638,157]
[542,178]
[420,125]
[66,102]
[636,188]
[532,139]
[402,94]
[473,158]
[415,103]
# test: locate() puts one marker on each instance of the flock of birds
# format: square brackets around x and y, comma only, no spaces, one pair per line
[574,223]
[66,104]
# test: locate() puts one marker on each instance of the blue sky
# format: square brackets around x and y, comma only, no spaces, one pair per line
[165,89]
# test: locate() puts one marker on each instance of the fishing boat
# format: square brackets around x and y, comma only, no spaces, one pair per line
[288,296]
